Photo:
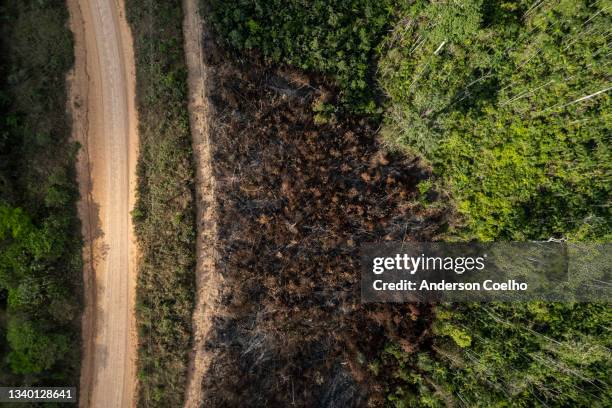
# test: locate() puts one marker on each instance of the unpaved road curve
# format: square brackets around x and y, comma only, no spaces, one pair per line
[102,88]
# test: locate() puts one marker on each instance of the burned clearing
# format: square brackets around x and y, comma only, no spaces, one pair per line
[296,198]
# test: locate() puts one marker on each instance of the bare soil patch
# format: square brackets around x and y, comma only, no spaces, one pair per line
[208,279]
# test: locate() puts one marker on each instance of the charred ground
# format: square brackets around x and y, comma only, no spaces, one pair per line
[296,198]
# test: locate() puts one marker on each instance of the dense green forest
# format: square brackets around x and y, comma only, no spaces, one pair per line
[40,242]
[337,38]
[511,106]
[164,215]
[509,103]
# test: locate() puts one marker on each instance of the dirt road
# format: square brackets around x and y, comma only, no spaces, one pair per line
[208,279]
[105,123]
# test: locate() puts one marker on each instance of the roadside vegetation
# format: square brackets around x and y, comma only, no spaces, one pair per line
[40,241]
[164,214]
[509,105]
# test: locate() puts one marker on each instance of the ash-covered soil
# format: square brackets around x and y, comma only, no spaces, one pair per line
[295,201]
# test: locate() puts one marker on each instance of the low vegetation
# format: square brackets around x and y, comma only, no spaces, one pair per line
[164,213]
[509,104]
[40,242]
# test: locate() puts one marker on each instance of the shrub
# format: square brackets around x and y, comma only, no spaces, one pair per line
[336,37]
[164,215]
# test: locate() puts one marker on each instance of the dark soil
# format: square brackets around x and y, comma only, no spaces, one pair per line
[296,200]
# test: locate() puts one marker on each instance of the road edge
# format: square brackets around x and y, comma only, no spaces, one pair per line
[78,87]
